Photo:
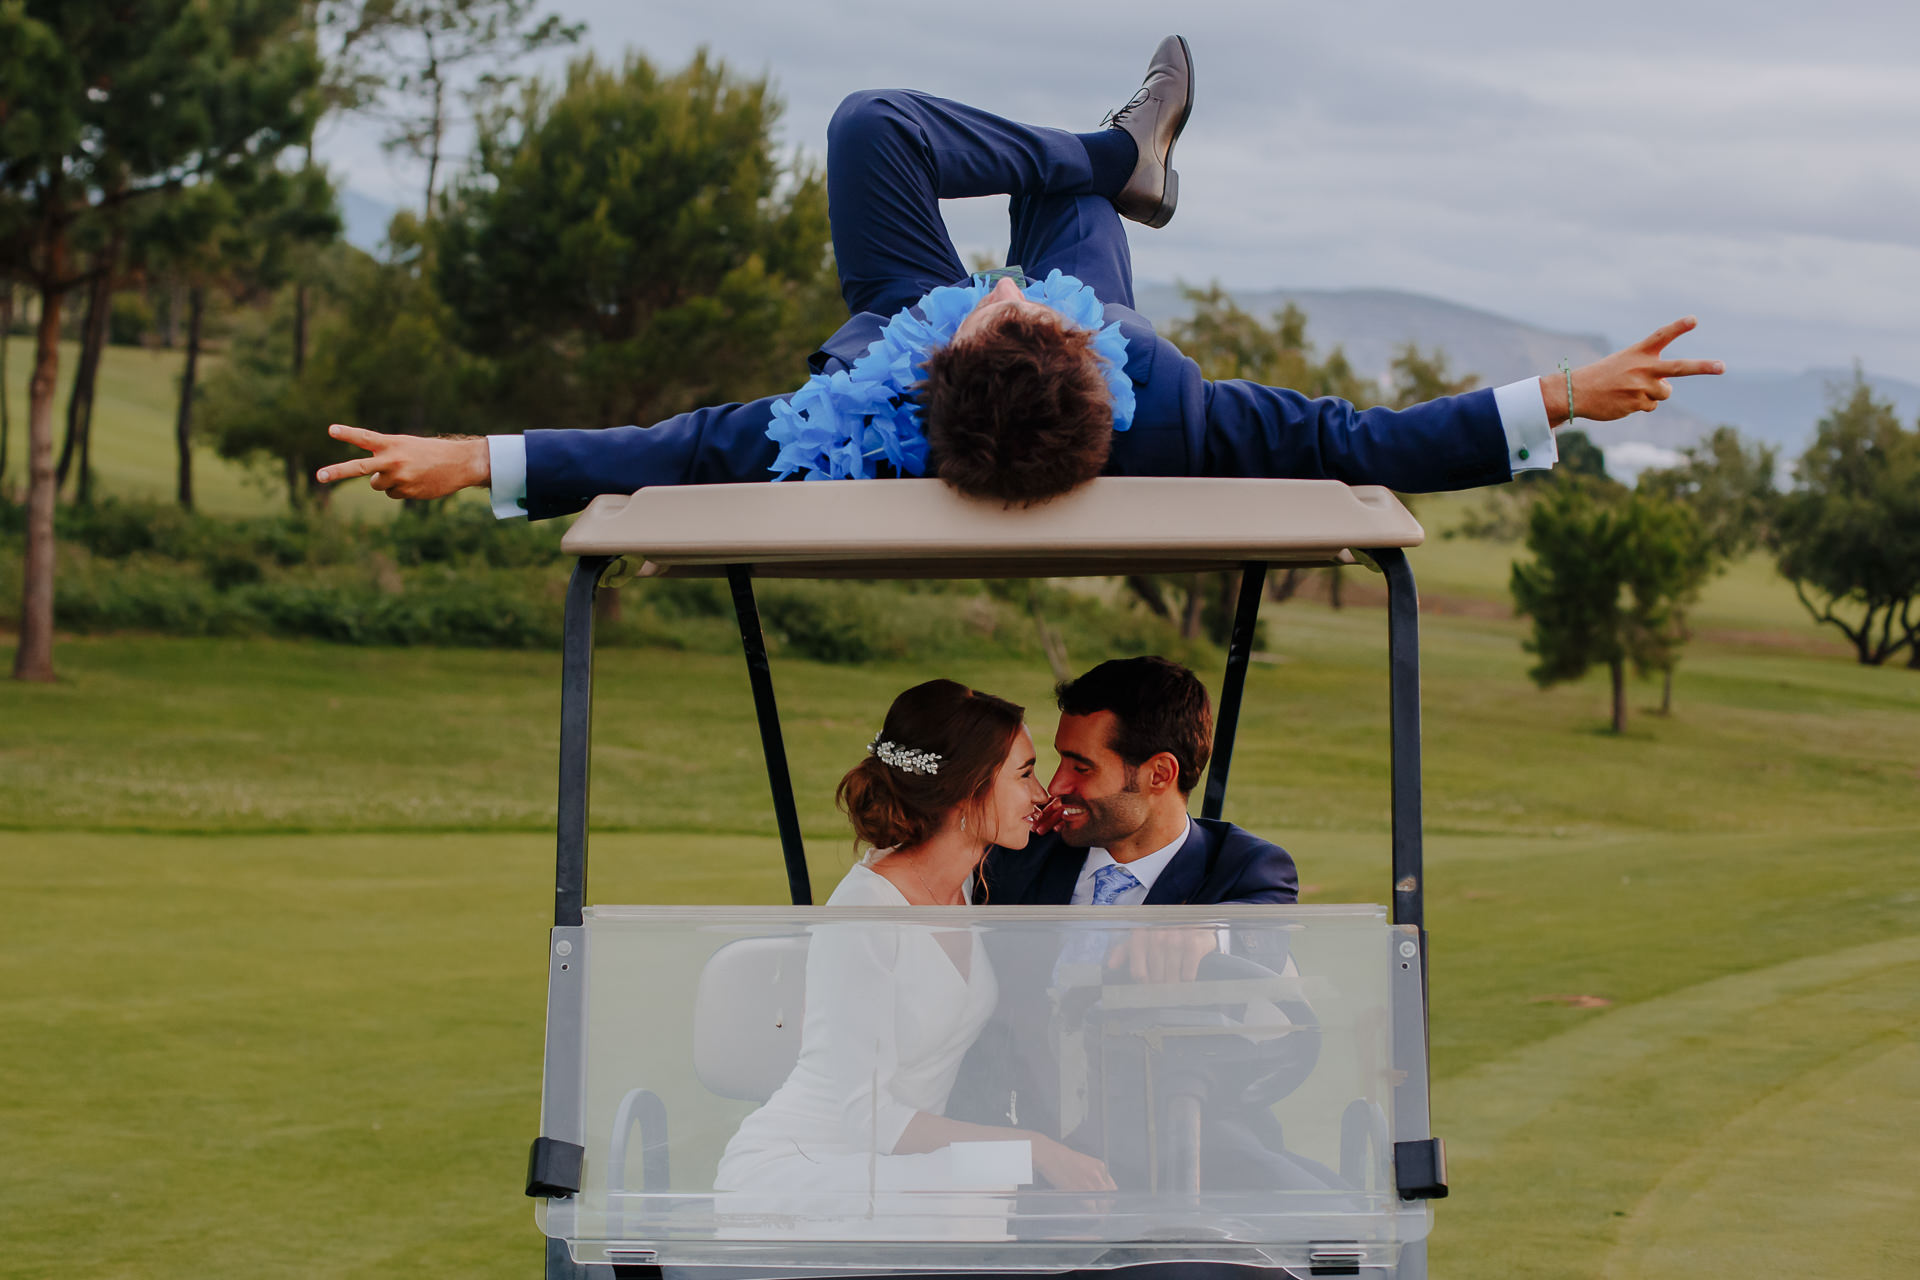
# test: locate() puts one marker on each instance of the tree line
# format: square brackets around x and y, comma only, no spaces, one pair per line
[1615,571]
[616,247]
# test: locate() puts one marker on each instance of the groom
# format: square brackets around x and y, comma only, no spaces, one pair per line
[1021,395]
[1133,738]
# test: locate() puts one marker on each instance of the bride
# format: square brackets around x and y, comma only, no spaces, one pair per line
[892,1008]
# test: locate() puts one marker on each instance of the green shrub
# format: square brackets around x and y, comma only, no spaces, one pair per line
[453,575]
[129,320]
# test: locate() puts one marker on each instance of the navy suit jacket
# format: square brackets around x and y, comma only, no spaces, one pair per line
[1183,425]
[1218,863]
[1010,1073]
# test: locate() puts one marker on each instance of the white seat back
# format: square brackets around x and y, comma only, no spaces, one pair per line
[747,1012]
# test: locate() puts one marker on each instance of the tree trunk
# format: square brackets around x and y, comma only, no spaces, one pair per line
[299,329]
[6,397]
[86,376]
[1050,642]
[296,491]
[1281,589]
[33,660]
[183,422]
[1334,579]
[439,117]
[72,440]
[1618,669]
[1146,589]
[1227,604]
[170,331]
[1196,605]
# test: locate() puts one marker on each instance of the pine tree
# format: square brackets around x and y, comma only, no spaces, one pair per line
[105,105]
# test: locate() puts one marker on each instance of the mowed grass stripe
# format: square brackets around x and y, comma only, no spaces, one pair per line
[1740,1205]
[274,735]
[1554,1146]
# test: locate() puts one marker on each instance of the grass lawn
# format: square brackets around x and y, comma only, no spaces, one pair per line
[136,401]
[272,917]
[271,920]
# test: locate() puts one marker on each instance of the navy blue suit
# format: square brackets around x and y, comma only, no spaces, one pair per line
[1005,1077]
[892,156]
[1218,863]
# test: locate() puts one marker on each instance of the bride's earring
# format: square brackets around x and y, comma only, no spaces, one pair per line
[963,822]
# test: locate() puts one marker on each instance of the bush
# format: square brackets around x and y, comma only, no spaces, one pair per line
[453,575]
[129,321]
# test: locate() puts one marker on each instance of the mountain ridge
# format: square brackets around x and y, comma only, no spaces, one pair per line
[1777,406]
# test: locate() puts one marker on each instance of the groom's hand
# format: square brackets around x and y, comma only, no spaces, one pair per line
[411,466]
[1631,380]
[1163,955]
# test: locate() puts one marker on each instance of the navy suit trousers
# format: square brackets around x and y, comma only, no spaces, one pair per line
[894,154]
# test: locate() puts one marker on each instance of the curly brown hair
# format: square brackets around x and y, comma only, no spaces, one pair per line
[1018,412]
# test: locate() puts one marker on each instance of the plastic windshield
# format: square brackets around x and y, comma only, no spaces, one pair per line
[839,1089]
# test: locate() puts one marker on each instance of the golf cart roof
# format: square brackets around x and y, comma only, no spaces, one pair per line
[924,529]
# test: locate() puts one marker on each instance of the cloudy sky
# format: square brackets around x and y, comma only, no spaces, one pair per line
[1592,167]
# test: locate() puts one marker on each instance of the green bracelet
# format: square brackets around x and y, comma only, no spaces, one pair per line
[1568,370]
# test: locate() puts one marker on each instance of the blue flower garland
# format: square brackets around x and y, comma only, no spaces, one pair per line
[839,425]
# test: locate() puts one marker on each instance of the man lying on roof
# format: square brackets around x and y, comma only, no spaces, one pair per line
[1020,384]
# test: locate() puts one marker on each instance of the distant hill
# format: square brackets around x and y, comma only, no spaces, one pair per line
[1773,405]
[1782,408]
[1370,323]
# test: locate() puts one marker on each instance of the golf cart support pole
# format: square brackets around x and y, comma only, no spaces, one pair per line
[554,1163]
[1403,667]
[576,739]
[1246,616]
[786,815]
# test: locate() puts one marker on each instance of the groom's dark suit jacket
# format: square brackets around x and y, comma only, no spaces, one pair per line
[1183,425]
[1218,863]
[1010,1075]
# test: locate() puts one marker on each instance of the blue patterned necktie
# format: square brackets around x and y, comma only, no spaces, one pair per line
[1109,882]
[1090,946]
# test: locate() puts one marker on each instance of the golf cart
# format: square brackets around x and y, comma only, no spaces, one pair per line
[1273,1112]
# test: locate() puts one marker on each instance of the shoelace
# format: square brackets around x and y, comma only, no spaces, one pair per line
[1139,99]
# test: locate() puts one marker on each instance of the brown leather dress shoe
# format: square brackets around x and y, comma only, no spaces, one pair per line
[1153,118]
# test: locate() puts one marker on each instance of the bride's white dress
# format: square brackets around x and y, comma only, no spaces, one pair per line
[889,1015]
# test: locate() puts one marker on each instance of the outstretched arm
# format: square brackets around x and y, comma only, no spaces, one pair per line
[1455,442]
[550,473]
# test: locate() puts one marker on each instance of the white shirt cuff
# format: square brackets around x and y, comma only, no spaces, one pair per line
[507,455]
[1523,416]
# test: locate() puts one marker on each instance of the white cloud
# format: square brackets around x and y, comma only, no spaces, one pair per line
[1629,458]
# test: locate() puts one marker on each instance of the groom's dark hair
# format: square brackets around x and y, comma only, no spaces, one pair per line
[1158,706]
[1019,413]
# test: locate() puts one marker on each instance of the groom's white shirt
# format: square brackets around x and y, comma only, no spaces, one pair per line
[1146,870]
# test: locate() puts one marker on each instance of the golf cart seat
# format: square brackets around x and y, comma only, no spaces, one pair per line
[747,1014]
[1329,1167]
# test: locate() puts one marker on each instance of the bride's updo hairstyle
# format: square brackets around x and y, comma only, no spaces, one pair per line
[893,805]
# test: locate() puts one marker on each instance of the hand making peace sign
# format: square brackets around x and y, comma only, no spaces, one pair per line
[1631,380]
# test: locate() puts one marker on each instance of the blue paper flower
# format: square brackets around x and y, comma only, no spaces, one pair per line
[841,424]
